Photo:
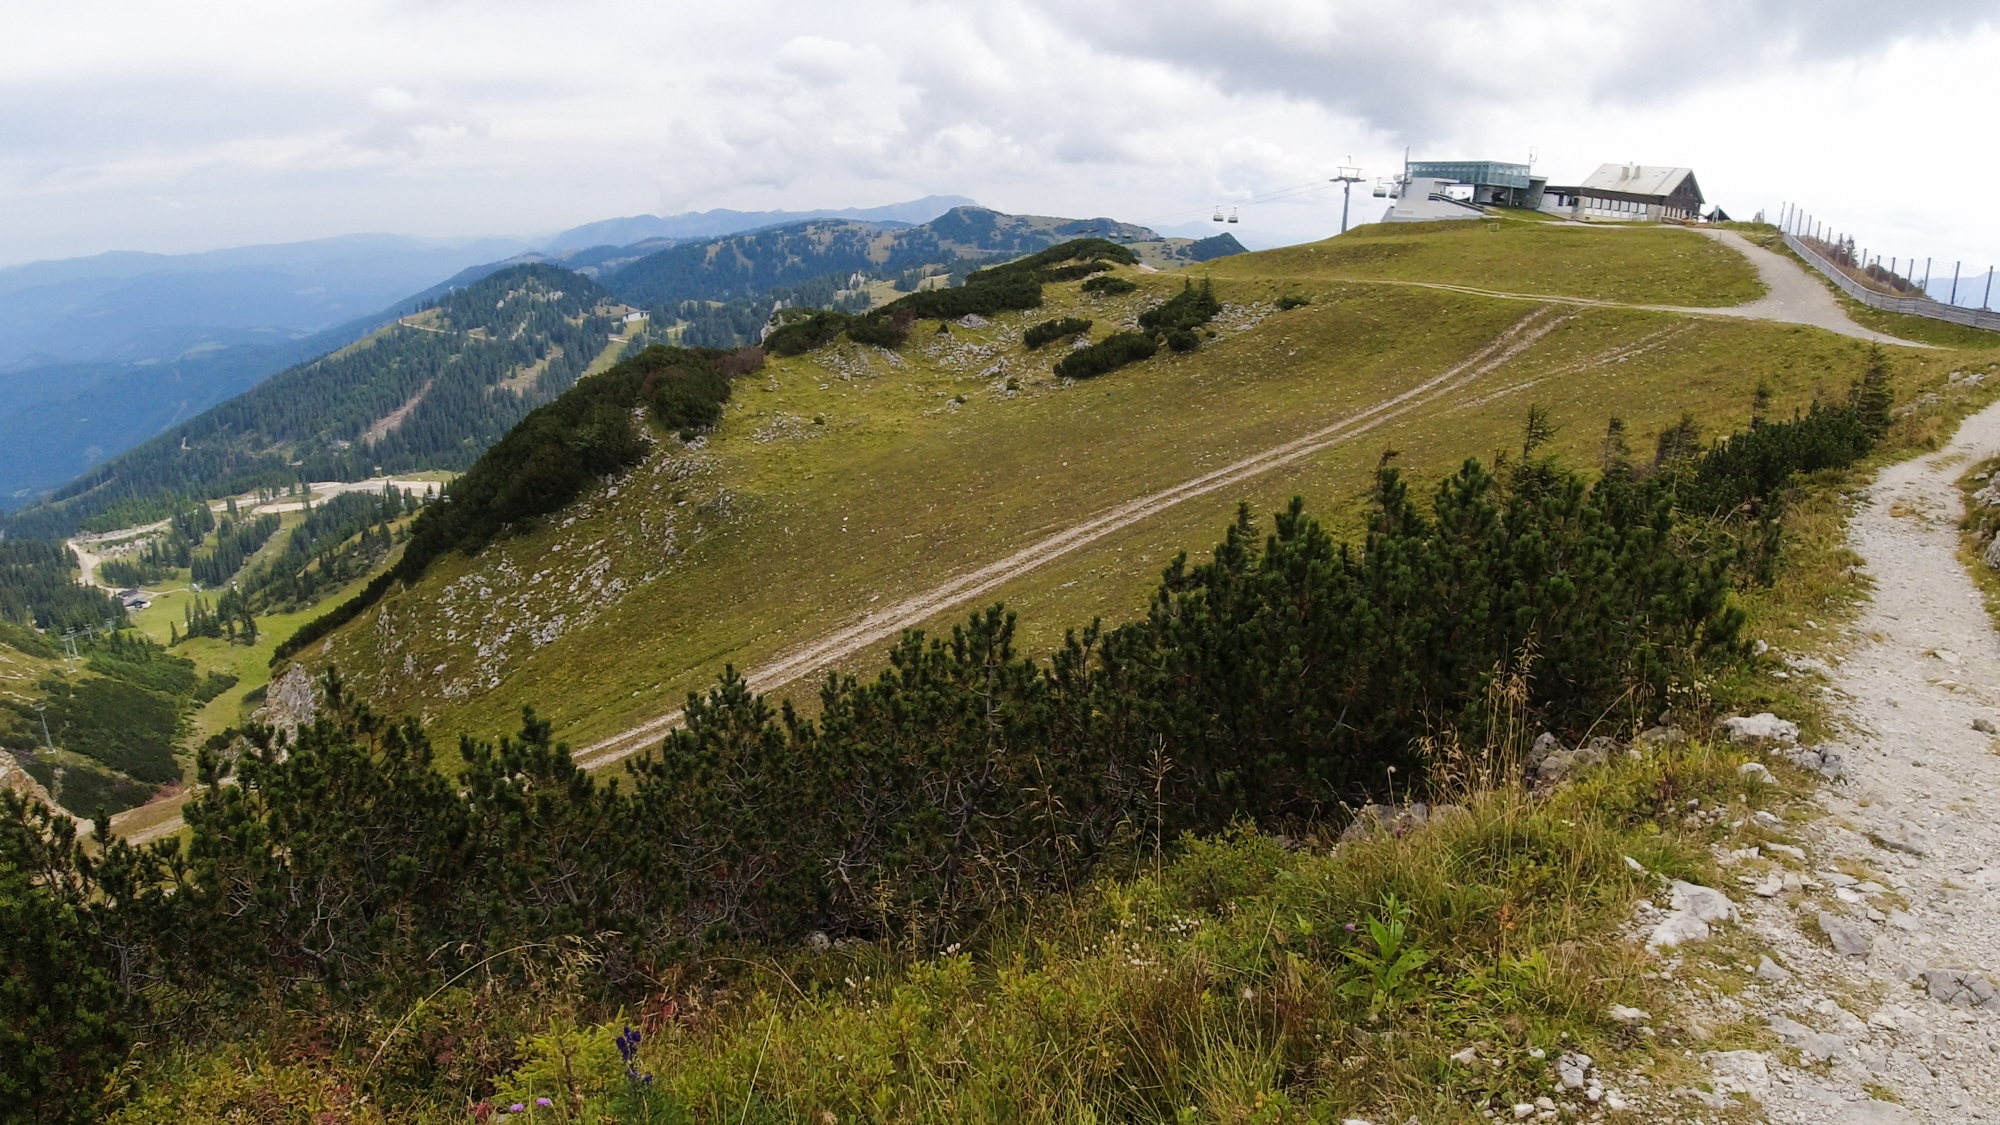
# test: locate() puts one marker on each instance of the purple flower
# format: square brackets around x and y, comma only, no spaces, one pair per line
[517,1107]
[1350,927]
[544,1102]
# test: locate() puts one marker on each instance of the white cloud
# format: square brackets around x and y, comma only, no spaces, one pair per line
[266,122]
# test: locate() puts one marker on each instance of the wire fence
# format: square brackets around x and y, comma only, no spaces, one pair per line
[1956,292]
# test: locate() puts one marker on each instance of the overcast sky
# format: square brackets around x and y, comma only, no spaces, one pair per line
[207,124]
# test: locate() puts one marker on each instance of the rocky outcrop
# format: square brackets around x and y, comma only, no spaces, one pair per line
[1389,820]
[290,703]
[16,779]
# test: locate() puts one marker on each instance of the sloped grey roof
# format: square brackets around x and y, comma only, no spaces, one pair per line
[1636,179]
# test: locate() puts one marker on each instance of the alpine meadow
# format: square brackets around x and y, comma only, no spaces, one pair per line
[1030,670]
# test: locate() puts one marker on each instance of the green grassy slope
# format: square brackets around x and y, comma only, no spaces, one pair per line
[847,479]
[1640,265]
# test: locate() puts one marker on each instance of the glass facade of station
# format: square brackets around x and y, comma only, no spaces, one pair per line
[1479,173]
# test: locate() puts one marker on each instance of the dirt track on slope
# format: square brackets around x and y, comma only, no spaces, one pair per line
[876,626]
[881,625]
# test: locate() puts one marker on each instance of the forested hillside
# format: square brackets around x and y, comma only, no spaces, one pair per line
[720,292]
[431,391]
[752,264]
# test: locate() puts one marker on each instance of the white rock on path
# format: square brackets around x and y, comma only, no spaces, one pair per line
[1695,908]
[1765,727]
[1742,1072]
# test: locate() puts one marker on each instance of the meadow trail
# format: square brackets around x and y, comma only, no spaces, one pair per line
[875,626]
[1907,853]
[1791,295]
[880,625]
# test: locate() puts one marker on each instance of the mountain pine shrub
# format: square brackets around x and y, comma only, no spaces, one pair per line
[1184,311]
[1108,354]
[1049,331]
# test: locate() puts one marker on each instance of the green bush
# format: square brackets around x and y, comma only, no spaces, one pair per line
[1109,286]
[1046,264]
[62,1034]
[1049,331]
[816,330]
[23,639]
[126,727]
[984,298]
[1288,302]
[142,663]
[1108,354]
[1182,340]
[85,792]
[883,328]
[1184,311]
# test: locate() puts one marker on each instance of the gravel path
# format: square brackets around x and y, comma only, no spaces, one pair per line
[1906,861]
[1792,294]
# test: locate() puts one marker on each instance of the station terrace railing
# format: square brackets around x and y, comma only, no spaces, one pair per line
[1914,306]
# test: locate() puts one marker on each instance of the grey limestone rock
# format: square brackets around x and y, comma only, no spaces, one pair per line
[1848,937]
[1660,736]
[1962,988]
[1872,1112]
[1388,820]
[1901,836]
[1813,1044]
[1705,903]
[1770,970]
[1745,1072]
[1760,727]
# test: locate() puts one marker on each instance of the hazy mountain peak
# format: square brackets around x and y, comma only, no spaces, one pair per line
[723,221]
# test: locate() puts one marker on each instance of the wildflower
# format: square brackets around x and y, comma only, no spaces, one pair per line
[517,1107]
[544,1102]
[1350,927]
[628,1049]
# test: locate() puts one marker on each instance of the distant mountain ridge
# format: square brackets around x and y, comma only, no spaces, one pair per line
[308,419]
[720,290]
[722,221]
[431,390]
